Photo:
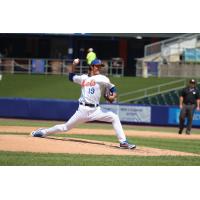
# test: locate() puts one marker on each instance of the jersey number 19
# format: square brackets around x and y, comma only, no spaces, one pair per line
[91,90]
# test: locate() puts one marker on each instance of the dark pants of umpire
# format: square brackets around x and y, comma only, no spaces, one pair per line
[186,111]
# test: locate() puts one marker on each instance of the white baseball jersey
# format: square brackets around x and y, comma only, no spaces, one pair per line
[92,87]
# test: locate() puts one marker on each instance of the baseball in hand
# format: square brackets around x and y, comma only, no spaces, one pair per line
[76,61]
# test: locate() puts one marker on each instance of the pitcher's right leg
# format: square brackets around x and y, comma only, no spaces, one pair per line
[108,116]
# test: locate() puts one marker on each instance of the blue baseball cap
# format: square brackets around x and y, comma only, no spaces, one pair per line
[97,62]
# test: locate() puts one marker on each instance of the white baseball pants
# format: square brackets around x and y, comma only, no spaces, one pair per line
[87,114]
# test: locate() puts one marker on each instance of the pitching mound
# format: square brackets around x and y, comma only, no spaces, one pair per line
[76,146]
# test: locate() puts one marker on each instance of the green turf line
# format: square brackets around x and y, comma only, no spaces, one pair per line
[18,122]
[21,122]
[42,159]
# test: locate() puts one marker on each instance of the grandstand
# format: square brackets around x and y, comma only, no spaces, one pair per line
[174,57]
[154,94]
[168,98]
[165,98]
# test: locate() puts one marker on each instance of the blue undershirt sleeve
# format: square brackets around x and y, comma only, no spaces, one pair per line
[71,75]
[113,90]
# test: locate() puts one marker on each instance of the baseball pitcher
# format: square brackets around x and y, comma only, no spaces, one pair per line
[92,85]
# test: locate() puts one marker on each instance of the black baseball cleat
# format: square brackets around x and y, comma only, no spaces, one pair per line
[180,131]
[187,132]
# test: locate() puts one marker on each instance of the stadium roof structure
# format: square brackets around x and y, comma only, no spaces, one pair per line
[128,35]
[138,35]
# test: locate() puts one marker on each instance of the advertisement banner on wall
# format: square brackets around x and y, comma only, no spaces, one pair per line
[38,66]
[152,68]
[141,114]
[173,118]
[129,113]
[191,55]
[111,107]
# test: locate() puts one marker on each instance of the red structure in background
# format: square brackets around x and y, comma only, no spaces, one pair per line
[123,50]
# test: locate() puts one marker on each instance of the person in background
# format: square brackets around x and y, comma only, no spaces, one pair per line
[189,100]
[90,56]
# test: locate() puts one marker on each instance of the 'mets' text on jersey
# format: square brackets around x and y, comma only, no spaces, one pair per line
[92,87]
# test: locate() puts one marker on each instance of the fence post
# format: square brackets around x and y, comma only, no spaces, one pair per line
[46,66]
[13,66]
[29,66]
[122,72]
[63,66]
[144,70]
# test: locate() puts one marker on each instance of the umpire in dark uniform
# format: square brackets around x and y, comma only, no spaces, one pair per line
[189,100]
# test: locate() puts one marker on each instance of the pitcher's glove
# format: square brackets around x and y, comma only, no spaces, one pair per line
[109,96]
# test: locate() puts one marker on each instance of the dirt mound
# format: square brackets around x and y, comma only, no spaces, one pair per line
[76,146]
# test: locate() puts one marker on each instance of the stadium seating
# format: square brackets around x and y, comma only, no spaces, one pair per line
[169,98]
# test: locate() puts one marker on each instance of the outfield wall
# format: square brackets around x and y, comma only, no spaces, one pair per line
[45,109]
[48,109]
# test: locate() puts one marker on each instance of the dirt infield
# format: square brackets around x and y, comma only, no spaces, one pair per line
[80,146]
